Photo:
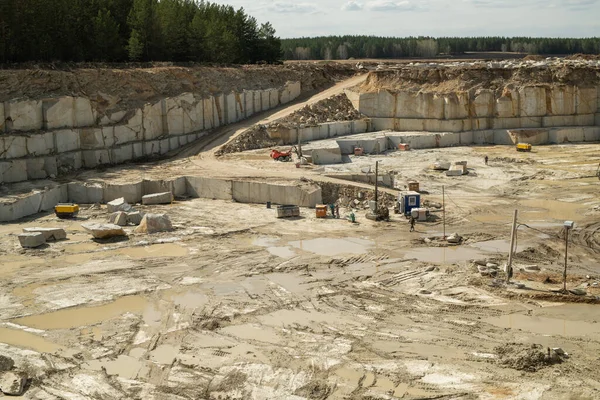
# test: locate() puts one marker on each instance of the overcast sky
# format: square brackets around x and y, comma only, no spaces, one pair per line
[562,18]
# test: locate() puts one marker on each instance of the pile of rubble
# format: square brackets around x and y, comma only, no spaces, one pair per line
[530,358]
[333,109]
[254,138]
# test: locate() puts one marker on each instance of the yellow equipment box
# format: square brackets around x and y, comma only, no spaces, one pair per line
[69,210]
[523,147]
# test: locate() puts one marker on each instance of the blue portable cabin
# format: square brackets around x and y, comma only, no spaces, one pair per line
[409,200]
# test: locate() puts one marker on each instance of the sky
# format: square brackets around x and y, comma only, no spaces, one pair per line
[549,18]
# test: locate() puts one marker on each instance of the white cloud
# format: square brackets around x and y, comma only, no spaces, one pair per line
[293,8]
[352,6]
[383,5]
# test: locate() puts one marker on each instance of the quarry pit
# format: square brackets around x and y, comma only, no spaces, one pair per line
[234,303]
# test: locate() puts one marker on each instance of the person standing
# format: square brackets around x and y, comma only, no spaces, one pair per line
[412,223]
[486,159]
[337,211]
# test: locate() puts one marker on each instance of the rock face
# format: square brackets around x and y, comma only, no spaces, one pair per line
[153,223]
[118,205]
[32,240]
[157,198]
[49,233]
[104,231]
[118,218]
[12,383]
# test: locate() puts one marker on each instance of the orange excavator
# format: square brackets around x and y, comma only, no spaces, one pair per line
[284,156]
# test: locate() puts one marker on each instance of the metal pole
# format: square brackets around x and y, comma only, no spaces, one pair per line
[376,183]
[444,209]
[513,235]
[566,251]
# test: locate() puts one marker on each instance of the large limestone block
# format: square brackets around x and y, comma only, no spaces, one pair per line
[584,120]
[264,98]
[208,113]
[13,171]
[439,125]
[138,150]
[29,241]
[466,138]
[248,97]
[39,145]
[505,107]
[447,139]
[84,114]
[24,115]
[324,156]
[59,113]
[192,120]
[591,133]
[532,101]
[587,100]
[174,143]
[402,125]
[561,100]
[456,106]
[50,234]
[257,102]
[340,128]
[104,231]
[165,146]
[284,95]
[157,198]
[118,218]
[108,136]
[69,162]
[360,126]
[367,104]
[94,158]
[483,137]
[273,98]
[382,124]
[566,135]
[91,138]
[154,223]
[385,104]
[418,105]
[131,192]
[67,140]
[219,111]
[35,168]
[153,120]
[51,166]
[231,109]
[558,120]
[122,154]
[85,193]
[15,147]
[13,209]
[152,148]
[295,89]
[124,134]
[118,205]
[209,188]
[483,104]
[174,116]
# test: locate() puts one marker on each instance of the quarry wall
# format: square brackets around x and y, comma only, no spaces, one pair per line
[50,137]
[481,109]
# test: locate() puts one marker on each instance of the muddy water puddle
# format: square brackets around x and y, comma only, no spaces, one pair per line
[332,247]
[498,246]
[545,325]
[27,340]
[83,316]
[445,254]
[156,250]
[269,244]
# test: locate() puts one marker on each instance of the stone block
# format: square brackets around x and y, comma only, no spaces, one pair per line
[360,126]
[324,156]
[402,125]
[584,120]
[197,118]
[295,89]
[124,134]
[94,158]
[532,101]
[50,234]
[122,154]
[138,150]
[174,116]
[157,198]
[505,108]
[558,120]
[30,241]
[340,128]
[385,103]
[104,231]
[118,205]
[15,209]
[257,106]
[152,148]
[273,98]
[91,138]
[561,100]
[483,104]
[154,223]
[530,122]
[15,147]
[68,162]
[39,145]
[134,218]
[118,218]
[35,168]
[506,123]
[265,102]
[67,140]
[466,138]
[52,196]
[131,192]
[209,188]
[208,113]
[284,95]
[230,110]
[14,171]
[85,193]
[477,124]
[566,135]
[591,133]
[164,146]
[456,105]
[247,100]
[173,143]
[108,136]
[219,111]
[483,137]
[84,114]
[586,100]
[419,105]
[447,139]
[153,120]
[440,125]
[24,115]
[192,122]
[501,136]
[51,166]
[59,113]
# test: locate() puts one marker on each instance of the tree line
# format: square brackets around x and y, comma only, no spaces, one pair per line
[345,47]
[133,30]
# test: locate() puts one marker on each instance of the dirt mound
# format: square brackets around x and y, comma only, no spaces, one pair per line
[528,358]
[542,252]
[254,138]
[444,80]
[135,86]
[580,56]
[335,108]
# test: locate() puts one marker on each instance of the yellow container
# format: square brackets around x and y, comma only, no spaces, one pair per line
[321,211]
[523,147]
[66,210]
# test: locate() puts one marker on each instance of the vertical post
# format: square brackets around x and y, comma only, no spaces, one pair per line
[376,183]
[566,251]
[299,144]
[513,234]
[444,209]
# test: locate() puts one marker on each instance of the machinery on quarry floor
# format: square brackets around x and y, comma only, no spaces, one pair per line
[66,211]
[285,156]
[523,147]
